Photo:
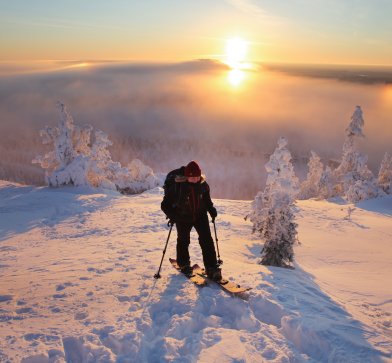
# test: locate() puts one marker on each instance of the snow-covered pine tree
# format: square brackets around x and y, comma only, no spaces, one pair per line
[310,188]
[354,179]
[64,164]
[385,174]
[326,184]
[63,144]
[272,210]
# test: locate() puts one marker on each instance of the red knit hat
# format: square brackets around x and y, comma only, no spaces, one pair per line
[192,169]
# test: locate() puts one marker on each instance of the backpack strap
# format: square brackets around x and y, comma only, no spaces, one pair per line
[180,179]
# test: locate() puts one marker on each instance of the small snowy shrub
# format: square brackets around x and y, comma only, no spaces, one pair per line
[362,190]
[136,178]
[272,210]
[82,158]
[385,174]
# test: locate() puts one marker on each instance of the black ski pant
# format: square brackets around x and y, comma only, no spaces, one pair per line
[205,240]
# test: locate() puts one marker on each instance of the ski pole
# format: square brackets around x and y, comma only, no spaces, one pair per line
[220,262]
[157,275]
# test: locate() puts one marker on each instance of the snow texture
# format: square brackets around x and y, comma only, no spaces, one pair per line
[77,286]
[76,280]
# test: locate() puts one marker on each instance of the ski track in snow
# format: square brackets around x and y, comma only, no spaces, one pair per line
[76,270]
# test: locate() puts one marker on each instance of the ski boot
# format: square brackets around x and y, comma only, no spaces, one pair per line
[214,273]
[186,270]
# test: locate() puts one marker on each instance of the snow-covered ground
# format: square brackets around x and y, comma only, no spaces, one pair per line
[76,283]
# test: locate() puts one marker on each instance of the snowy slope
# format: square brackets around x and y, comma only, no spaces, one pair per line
[76,284]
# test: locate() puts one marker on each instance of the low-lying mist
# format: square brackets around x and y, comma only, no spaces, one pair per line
[169,114]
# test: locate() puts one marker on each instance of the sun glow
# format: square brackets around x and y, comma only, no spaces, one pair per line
[79,65]
[236,52]
[236,76]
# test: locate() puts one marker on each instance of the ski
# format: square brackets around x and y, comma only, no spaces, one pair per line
[195,278]
[226,285]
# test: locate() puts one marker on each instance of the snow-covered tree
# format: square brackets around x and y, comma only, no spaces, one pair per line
[81,158]
[272,210]
[385,174]
[326,184]
[63,144]
[310,188]
[362,190]
[64,164]
[102,168]
[354,179]
[82,139]
[136,178]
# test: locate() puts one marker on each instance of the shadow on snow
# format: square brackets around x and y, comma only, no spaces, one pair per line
[23,208]
[313,322]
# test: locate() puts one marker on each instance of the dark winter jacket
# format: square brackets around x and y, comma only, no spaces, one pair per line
[186,202]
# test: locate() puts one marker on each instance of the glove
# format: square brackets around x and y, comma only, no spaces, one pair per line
[171,219]
[213,213]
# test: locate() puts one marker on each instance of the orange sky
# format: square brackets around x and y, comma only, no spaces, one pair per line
[337,32]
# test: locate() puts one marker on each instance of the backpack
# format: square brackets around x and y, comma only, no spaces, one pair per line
[171,178]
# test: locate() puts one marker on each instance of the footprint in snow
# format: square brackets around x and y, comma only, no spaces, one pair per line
[43,337]
[24,310]
[64,286]
[135,306]
[81,315]
[60,287]
[124,298]
[4,298]
[59,296]
[100,271]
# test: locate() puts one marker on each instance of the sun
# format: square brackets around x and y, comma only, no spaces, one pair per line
[236,51]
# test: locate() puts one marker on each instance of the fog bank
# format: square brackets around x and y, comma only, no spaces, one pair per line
[168,114]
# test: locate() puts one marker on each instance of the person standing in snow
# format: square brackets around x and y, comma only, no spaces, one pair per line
[186,203]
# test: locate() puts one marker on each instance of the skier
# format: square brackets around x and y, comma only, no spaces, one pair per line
[186,203]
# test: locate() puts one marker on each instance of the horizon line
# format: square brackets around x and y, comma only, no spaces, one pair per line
[183,60]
